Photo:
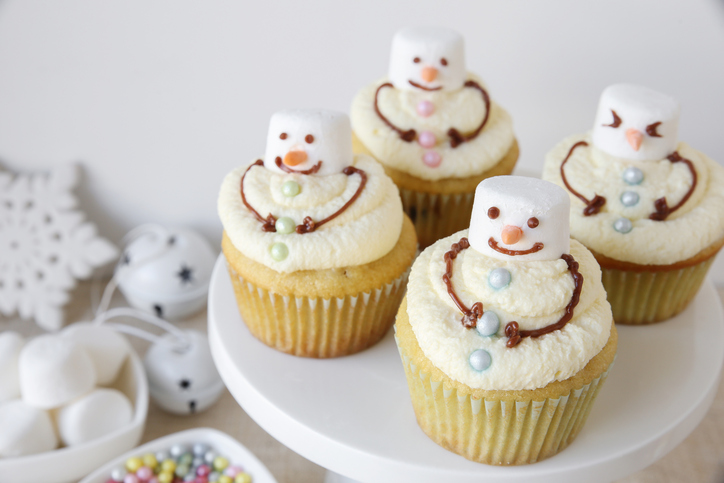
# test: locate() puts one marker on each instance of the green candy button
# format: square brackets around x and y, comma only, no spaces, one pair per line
[290,188]
[279,251]
[284,225]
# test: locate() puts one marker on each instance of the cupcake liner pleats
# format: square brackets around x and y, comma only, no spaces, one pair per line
[318,327]
[647,297]
[498,431]
[435,215]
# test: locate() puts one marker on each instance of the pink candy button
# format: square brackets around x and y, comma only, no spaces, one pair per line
[425,108]
[426,139]
[432,159]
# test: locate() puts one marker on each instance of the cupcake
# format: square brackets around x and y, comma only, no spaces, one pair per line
[315,239]
[505,333]
[435,129]
[650,208]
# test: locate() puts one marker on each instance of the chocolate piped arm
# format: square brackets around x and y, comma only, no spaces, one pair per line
[309,225]
[512,330]
[456,139]
[472,314]
[268,223]
[594,205]
[662,208]
[407,136]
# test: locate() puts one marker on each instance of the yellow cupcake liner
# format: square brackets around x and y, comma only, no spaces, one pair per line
[641,297]
[498,431]
[318,327]
[435,215]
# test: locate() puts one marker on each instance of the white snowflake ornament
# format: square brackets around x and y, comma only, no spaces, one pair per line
[45,245]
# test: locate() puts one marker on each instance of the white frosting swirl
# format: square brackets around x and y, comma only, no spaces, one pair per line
[366,231]
[536,297]
[462,109]
[684,233]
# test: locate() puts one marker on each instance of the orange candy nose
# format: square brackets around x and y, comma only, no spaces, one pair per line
[428,74]
[511,234]
[634,138]
[295,157]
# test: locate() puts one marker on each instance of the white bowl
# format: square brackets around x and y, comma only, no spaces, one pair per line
[224,444]
[73,463]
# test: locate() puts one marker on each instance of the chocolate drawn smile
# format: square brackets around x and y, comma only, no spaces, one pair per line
[538,246]
[420,86]
[287,169]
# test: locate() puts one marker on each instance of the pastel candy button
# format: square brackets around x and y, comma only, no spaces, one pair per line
[488,324]
[279,251]
[499,278]
[432,159]
[427,139]
[629,198]
[633,175]
[425,108]
[480,360]
[291,189]
[284,225]
[622,225]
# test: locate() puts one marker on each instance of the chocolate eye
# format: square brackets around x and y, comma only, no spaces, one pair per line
[493,212]
[616,120]
[283,135]
[533,222]
[651,130]
[309,138]
[416,60]
[443,61]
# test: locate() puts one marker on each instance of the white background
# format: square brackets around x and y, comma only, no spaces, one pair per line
[158,100]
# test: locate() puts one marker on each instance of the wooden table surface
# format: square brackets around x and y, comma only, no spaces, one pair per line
[699,459]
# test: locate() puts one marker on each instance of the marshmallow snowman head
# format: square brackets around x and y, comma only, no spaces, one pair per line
[310,141]
[518,218]
[636,123]
[427,58]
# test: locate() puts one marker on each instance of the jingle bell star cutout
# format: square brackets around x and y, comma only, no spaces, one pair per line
[45,245]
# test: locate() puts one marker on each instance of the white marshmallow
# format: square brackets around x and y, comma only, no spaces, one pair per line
[519,200]
[638,108]
[10,345]
[107,348]
[332,140]
[54,370]
[183,381]
[25,430]
[93,416]
[167,271]
[418,48]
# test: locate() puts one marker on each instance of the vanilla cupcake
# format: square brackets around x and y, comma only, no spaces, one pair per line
[316,242]
[505,334]
[650,208]
[435,129]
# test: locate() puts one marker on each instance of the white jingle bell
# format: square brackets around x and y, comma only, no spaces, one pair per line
[182,378]
[167,272]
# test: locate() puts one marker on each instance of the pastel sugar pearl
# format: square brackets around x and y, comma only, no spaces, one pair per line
[203,470]
[225,479]
[285,225]
[623,225]
[499,278]
[165,477]
[243,478]
[480,360]
[432,159]
[177,450]
[279,251]
[290,189]
[233,471]
[150,460]
[200,449]
[131,479]
[629,198]
[633,175]
[117,474]
[144,473]
[133,464]
[488,324]
[425,108]
[427,139]
[220,463]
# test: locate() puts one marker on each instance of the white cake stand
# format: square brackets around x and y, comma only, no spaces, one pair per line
[353,415]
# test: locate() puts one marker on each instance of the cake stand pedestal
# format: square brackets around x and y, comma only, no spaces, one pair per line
[353,415]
